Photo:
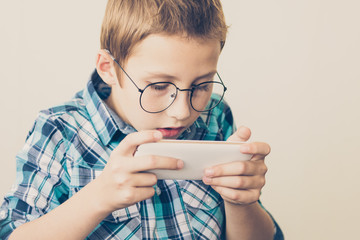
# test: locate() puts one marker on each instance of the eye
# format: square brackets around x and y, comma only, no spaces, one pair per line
[159,86]
[206,86]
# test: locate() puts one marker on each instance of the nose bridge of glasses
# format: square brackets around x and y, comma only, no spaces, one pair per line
[185,89]
[180,105]
[189,90]
[175,95]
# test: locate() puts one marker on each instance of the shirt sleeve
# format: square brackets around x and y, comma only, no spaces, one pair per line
[41,181]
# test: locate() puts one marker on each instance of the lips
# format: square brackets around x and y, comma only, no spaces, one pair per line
[170,132]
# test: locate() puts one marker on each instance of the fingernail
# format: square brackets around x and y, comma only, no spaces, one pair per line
[244,148]
[180,164]
[207,180]
[209,172]
[157,135]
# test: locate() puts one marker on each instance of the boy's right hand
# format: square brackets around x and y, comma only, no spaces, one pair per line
[123,181]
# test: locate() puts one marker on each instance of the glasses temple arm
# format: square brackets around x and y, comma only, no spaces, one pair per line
[225,88]
[113,58]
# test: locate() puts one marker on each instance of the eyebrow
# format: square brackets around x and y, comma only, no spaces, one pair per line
[172,78]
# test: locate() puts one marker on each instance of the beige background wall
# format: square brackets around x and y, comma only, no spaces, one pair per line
[292,68]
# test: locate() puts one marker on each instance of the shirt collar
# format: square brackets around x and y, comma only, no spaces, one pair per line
[106,122]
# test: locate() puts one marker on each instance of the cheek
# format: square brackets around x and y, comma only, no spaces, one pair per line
[194,115]
[130,100]
[141,120]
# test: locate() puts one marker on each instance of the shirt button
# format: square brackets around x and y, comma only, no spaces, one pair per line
[3,214]
[158,190]
[116,213]
[208,200]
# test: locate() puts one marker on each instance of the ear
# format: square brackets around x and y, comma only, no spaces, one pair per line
[105,68]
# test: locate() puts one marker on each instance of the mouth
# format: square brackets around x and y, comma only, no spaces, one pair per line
[171,132]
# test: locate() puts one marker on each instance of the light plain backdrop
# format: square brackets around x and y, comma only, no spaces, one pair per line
[292,68]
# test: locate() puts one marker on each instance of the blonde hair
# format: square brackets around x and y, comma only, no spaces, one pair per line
[127,22]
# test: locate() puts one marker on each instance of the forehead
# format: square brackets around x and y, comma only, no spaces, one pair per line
[174,54]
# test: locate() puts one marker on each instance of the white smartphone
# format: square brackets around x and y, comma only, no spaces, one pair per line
[197,155]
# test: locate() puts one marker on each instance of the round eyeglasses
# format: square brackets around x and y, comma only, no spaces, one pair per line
[159,96]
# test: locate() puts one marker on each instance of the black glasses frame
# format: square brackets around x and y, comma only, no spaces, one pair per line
[191,90]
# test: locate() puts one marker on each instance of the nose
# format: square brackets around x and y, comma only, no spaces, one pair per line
[180,108]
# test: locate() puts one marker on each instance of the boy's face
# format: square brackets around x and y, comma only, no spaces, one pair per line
[163,58]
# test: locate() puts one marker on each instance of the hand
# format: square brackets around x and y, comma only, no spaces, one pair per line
[123,181]
[240,182]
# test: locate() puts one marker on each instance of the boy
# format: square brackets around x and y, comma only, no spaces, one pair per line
[77,174]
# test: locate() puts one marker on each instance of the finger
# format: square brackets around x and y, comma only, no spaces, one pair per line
[150,162]
[255,148]
[136,180]
[237,182]
[145,193]
[244,168]
[238,196]
[128,146]
[133,195]
[241,135]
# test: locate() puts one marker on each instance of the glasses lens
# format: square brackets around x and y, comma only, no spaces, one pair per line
[200,99]
[158,96]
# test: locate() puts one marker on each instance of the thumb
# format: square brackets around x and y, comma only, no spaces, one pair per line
[241,135]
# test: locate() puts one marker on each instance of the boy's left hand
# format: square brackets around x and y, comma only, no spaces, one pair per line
[240,182]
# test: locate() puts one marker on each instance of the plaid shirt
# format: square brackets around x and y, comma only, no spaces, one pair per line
[69,146]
